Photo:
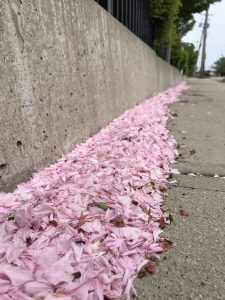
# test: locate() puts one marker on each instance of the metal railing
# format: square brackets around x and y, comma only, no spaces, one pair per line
[134,14]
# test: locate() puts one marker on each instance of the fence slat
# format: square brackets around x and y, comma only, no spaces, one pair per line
[134,14]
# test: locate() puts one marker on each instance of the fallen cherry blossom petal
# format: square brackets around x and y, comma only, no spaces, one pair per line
[175,172]
[81,229]
[162,223]
[184,212]
[166,245]
[150,267]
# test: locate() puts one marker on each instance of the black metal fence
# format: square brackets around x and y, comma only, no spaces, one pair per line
[134,14]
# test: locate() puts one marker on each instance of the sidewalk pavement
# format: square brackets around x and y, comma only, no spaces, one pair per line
[195,267]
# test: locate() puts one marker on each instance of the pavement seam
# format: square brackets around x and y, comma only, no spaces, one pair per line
[195,188]
[207,175]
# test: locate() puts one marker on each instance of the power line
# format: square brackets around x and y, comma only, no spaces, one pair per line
[216,40]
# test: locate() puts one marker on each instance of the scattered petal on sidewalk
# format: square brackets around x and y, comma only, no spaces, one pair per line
[150,267]
[82,228]
[175,172]
[192,174]
[172,182]
[166,245]
[184,212]
[162,223]
[192,152]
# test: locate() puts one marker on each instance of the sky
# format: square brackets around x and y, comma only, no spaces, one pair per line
[215,46]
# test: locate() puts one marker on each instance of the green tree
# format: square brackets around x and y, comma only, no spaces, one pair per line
[172,20]
[186,20]
[184,57]
[219,66]
[192,58]
[174,17]
[163,14]
[190,7]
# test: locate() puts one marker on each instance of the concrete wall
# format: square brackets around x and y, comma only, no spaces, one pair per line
[66,69]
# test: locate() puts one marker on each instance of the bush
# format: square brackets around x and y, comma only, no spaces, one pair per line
[219,66]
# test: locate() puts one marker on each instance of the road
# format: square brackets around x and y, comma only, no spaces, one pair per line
[195,267]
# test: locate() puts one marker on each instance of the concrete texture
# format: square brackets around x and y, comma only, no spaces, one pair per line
[67,69]
[194,267]
[201,126]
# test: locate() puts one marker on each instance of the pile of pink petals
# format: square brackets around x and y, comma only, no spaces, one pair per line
[84,227]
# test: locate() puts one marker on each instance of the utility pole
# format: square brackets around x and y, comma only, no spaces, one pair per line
[206,25]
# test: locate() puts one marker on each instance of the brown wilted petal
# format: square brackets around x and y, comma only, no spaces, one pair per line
[150,267]
[184,212]
[192,152]
[53,223]
[76,275]
[28,241]
[118,222]
[142,273]
[162,223]
[166,245]
[135,202]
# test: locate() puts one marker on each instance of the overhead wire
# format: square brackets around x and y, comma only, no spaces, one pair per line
[221,43]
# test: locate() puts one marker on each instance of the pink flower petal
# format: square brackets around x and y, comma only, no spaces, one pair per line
[80,229]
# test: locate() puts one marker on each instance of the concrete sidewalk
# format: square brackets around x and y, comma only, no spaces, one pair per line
[195,267]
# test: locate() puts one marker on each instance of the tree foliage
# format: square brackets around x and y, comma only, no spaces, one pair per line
[164,14]
[172,20]
[219,66]
[190,7]
[184,57]
[186,20]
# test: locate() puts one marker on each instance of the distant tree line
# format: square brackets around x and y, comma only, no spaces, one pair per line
[172,19]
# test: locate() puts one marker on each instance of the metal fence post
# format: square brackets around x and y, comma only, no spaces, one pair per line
[134,14]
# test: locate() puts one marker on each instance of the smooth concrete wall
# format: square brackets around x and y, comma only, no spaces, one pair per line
[67,68]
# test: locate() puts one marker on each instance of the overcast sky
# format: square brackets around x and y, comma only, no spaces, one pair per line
[216,33]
